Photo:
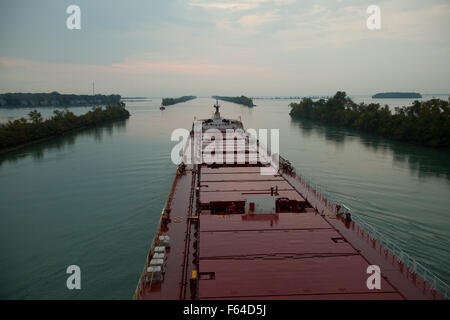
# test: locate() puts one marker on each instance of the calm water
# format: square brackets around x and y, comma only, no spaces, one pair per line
[93,198]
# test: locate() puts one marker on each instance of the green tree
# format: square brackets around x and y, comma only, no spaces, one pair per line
[35,117]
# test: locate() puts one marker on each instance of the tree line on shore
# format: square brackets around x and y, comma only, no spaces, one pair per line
[22,131]
[424,122]
[54,99]
[239,100]
[171,101]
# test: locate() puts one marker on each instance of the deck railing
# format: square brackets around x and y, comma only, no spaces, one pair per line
[433,280]
[324,206]
[141,284]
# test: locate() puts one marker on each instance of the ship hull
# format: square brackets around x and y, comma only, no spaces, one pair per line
[238,234]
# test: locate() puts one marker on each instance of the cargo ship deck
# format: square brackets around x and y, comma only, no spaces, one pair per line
[229,232]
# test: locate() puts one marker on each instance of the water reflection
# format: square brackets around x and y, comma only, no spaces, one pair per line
[421,161]
[37,151]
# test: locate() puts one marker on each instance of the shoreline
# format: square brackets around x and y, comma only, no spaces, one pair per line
[173,101]
[370,134]
[242,100]
[33,142]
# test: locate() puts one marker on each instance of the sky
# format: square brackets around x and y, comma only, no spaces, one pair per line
[217,47]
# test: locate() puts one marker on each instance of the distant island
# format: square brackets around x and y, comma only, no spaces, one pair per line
[425,123]
[172,101]
[239,100]
[397,95]
[22,132]
[55,99]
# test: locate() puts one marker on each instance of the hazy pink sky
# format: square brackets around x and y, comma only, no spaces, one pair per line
[200,47]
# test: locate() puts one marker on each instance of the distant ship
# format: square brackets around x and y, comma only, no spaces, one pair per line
[228,232]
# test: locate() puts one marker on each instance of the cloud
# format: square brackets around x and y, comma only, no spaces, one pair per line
[416,23]
[343,26]
[256,19]
[260,44]
[130,67]
[236,5]
[223,5]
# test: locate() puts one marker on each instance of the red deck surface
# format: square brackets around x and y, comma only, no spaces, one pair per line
[340,296]
[241,159]
[285,221]
[225,170]
[281,243]
[245,186]
[264,256]
[207,197]
[238,177]
[290,255]
[283,277]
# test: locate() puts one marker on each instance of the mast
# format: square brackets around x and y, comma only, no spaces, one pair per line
[217,113]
